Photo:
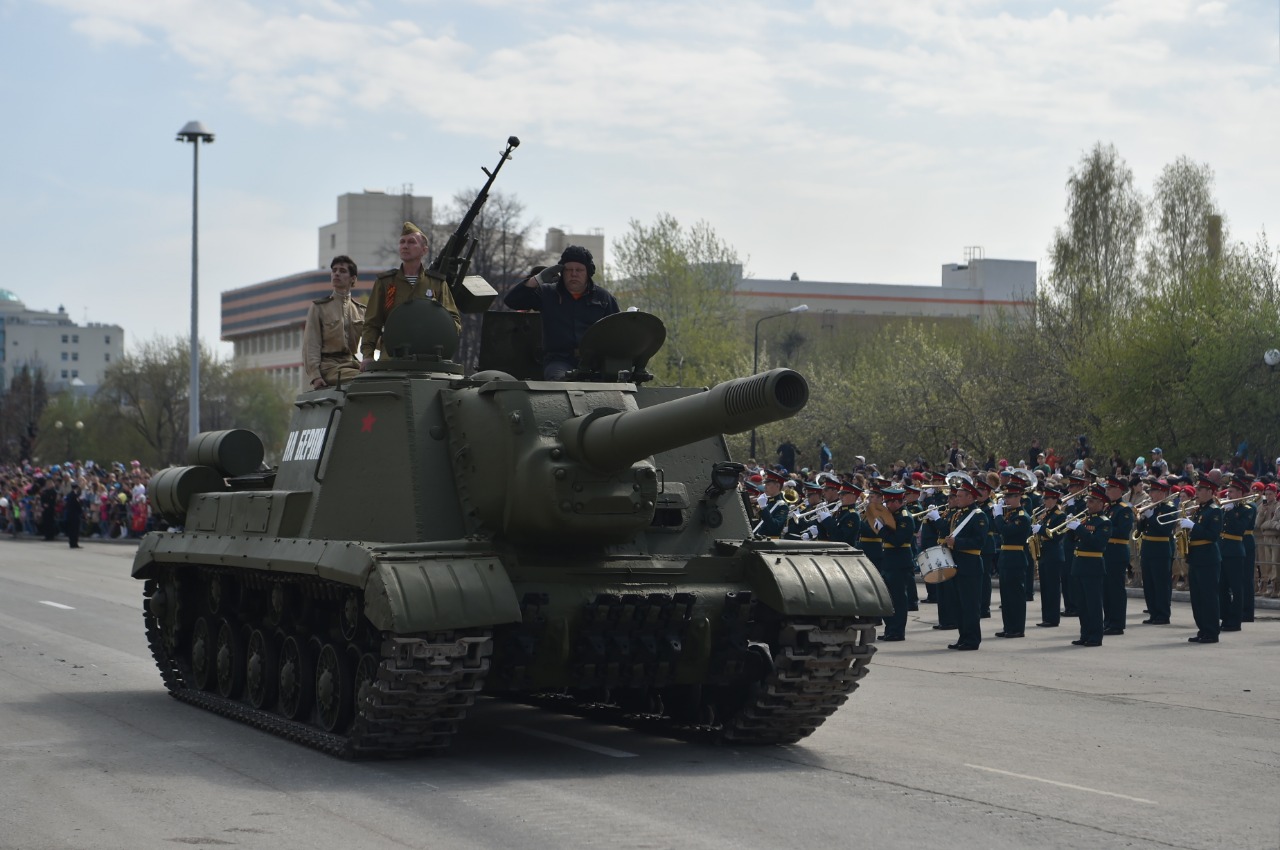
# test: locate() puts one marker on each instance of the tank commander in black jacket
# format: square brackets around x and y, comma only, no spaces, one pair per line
[570,303]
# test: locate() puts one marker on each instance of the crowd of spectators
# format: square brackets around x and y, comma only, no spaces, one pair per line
[112,497]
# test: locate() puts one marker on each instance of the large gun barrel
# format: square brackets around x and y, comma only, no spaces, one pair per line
[606,439]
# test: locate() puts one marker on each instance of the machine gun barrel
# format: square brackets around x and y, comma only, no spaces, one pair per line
[609,439]
[453,261]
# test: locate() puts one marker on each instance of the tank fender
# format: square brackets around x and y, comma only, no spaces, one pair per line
[417,594]
[842,584]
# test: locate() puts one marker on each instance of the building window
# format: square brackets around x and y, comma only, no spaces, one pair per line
[75,373]
[64,355]
[333,241]
[75,338]
[106,358]
[64,373]
[64,342]
[107,340]
[75,355]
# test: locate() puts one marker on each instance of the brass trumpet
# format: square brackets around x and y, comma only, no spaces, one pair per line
[815,510]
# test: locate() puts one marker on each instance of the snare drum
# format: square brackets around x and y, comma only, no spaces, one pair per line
[936,564]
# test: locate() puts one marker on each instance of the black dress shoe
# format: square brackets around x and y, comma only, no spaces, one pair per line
[1086,643]
[1208,640]
[986,616]
[1245,619]
[963,647]
[891,637]
[1046,625]
[942,628]
[1193,639]
[1010,634]
[1070,614]
[1154,622]
[1230,628]
[1113,631]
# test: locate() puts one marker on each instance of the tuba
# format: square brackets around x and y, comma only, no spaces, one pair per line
[790,495]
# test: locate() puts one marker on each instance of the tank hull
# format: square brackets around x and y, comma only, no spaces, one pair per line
[428,539]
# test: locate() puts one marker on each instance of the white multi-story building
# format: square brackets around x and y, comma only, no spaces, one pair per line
[368,228]
[70,355]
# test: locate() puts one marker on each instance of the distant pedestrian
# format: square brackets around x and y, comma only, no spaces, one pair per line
[73,513]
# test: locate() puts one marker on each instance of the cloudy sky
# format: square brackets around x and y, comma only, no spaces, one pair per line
[863,140]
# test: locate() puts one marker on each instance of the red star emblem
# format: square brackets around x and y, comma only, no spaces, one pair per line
[366,424]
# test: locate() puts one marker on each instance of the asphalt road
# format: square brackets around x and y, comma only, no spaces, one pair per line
[1145,742]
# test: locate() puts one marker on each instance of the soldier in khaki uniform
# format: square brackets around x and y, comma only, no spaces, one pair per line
[396,286]
[332,333]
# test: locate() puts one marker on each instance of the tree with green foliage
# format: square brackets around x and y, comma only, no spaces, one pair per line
[1094,257]
[686,277]
[145,394]
[21,409]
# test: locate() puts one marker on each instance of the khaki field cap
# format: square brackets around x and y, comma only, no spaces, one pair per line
[410,227]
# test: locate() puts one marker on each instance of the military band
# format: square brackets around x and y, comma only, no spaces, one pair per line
[1077,540]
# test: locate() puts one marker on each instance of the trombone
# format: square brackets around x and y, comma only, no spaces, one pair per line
[830,507]
[1062,529]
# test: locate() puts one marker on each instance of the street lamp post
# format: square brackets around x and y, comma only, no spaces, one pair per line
[195,133]
[755,362]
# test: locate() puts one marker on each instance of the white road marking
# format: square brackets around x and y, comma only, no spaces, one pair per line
[57,605]
[582,745]
[1063,784]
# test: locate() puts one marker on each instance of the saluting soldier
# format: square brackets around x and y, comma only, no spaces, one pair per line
[896,531]
[331,335]
[1115,561]
[1052,560]
[1236,519]
[1014,529]
[1156,533]
[773,508]
[1091,535]
[1204,561]
[967,531]
[396,286]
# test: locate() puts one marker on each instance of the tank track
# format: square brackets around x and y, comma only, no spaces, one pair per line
[816,665]
[423,687]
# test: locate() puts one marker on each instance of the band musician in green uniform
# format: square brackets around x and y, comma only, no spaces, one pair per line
[1204,561]
[1014,529]
[1091,535]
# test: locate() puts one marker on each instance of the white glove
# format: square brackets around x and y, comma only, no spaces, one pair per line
[1148,512]
[1071,502]
[878,525]
[823,515]
[1228,507]
[1186,523]
[1035,528]
[934,515]
[998,510]
[1073,524]
[809,533]
[762,500]
[550,274]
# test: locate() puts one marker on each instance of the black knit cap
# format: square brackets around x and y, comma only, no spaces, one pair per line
[578,254]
